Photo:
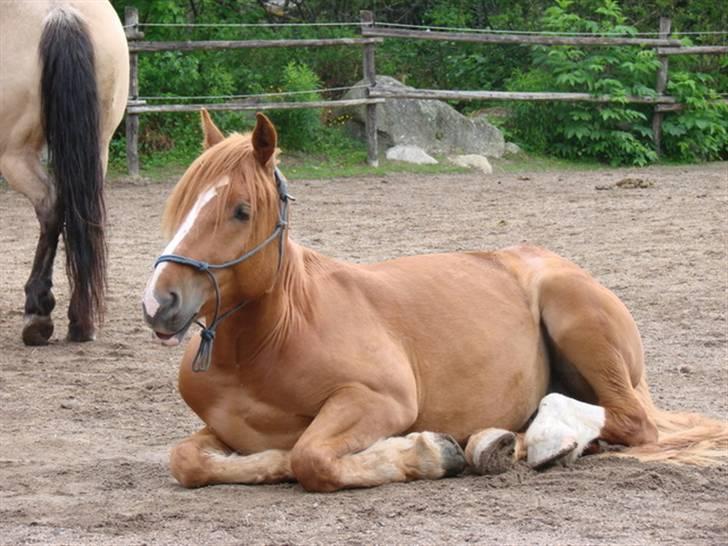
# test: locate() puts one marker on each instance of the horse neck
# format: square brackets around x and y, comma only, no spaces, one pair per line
[266,322]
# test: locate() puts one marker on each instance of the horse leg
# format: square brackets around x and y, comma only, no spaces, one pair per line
[202,459]
[596,341]
[25,174]
[350,444]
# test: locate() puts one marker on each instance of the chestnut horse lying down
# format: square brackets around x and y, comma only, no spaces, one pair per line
[339,375]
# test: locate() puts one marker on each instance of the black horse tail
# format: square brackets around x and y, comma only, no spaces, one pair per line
[71,121]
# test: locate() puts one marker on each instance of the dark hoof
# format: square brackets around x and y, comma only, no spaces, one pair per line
[453,456]
[78,334]
[495,453]
[37,330]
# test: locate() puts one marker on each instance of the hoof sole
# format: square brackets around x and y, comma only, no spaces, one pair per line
[494,452]
[37,330]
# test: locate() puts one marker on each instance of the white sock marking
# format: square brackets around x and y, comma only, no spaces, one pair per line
[561,418]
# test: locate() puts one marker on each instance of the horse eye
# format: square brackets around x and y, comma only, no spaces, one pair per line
[241,213]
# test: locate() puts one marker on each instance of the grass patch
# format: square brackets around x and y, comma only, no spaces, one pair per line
[299,167]
[343,157]
[525,163]
[310,166]
[340,159]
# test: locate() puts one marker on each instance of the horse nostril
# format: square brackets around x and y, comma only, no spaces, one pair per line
[161,305]
[174,300]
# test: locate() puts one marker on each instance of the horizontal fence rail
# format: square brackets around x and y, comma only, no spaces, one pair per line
[210,45]
[372,35]
[233,106]
[444,94]
[518,39]
[693,50]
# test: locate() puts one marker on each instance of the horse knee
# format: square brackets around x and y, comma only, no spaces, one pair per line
[187,464]
[314,469]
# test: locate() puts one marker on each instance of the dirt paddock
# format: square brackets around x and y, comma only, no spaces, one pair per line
[86,429]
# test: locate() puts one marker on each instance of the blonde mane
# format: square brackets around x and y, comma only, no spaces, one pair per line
[232,158]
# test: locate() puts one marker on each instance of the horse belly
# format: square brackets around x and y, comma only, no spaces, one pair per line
[488,368]
[503,394]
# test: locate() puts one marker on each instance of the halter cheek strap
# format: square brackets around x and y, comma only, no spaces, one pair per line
[203,357]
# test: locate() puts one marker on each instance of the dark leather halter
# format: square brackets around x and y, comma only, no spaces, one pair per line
[203,357]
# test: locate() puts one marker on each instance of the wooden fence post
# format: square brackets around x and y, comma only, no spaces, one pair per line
[131,22]
[370,74]
[660,86]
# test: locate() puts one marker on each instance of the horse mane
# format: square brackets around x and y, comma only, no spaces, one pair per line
[232,158]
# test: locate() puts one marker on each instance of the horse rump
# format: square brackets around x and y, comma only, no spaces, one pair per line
[71,122]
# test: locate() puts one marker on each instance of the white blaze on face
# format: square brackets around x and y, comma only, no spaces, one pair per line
[151,305]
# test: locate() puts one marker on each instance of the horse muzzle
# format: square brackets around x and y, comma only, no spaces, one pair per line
[168,316]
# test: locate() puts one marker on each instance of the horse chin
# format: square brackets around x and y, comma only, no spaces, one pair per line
[173,339]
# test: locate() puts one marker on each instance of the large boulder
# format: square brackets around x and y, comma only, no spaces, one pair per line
[433,125]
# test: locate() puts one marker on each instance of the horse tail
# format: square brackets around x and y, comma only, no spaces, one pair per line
[688,438]
[71,121]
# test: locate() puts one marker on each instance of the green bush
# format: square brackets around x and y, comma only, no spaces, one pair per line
[298,129]
[699,132]
[616,132]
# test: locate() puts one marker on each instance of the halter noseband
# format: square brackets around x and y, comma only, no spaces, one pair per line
[203,357]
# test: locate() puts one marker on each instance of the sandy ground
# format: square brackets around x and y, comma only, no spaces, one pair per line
[86,429]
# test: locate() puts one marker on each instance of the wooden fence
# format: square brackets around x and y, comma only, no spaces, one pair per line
[373,34]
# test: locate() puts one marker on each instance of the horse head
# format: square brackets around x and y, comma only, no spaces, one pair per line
[225,221]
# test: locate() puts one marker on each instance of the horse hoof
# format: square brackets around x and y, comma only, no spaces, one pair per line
[540,457]
[37,330]
[451,454]
[491,451]
[78,334]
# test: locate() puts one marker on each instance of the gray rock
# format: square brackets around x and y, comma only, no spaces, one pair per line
[512,149]
[433,125]
[410,154]
[472,161]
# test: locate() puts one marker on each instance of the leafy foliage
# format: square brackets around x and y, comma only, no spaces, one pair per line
[616,132]
[700,131]
[299,129]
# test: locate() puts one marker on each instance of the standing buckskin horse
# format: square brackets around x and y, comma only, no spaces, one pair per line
[65,79]
[341,375]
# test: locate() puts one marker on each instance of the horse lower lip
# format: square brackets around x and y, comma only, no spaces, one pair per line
[179,334]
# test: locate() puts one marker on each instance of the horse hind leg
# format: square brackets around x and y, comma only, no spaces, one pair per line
[26,175]
[593,335]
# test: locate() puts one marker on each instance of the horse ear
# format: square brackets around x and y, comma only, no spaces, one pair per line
[212,135]
[264,138]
